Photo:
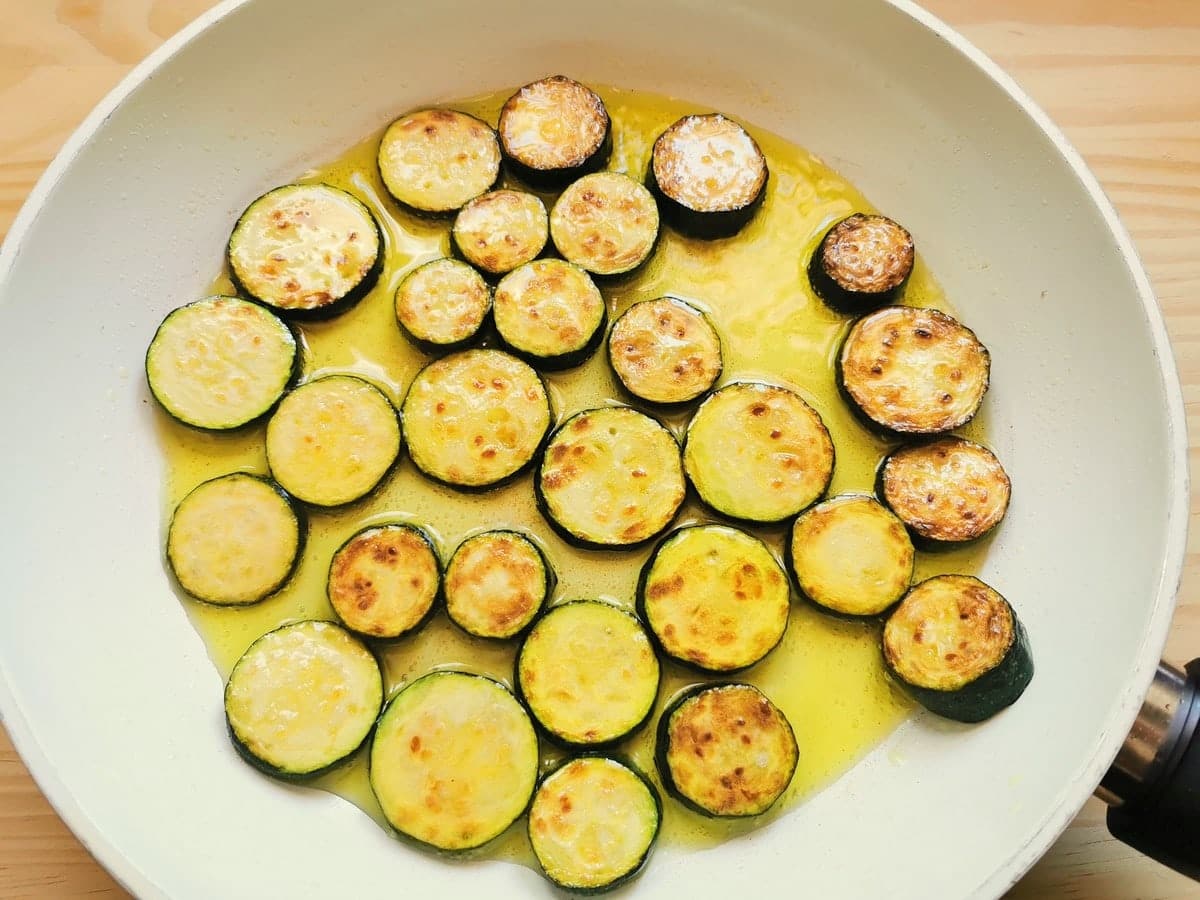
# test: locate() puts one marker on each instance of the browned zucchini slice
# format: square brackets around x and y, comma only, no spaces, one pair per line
[550,313]
[500,230]
[496,583]
[442,304]
[554,130]
[665,351]
[383,580]
[605,223]
[862,262]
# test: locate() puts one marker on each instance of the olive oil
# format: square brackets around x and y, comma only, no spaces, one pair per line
[826,674]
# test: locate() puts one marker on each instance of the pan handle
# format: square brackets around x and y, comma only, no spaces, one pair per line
[1153,787]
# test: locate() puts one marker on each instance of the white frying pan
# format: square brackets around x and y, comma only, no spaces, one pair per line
[106,688]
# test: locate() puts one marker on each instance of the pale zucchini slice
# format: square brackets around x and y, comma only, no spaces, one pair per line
[665,351]
[496,583]
[605,223]
[435,160]
[550,313]
[500,230]
[384,580]
[442,304]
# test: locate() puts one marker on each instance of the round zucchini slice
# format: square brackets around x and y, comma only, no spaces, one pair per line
[220,363]
[758,452]
[851,556]
[496,583]
[234,540]
[550,313]
[554,130]
[303,698]
[442,304]
[947,492]
[592,823]
[331,441]
[862,262]
[958,648]
[610,477]
[910,370]
[588,673]
[307,250]
[714,597]
[454,760]
[500,230]
[475,418]
[726,750]
[665,351]
[435,160]
[383,581]
[709,175]
[605,223]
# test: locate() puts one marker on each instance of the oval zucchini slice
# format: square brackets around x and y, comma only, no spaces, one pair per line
[554,130]
[726,750]
[234,540]
[383,580]
[851,556]
[958,648]
[862,262]
[913,371]
[714,597]
[454,760]
[442,304]
[435,160]
[303,698]
[758,452]
[550,313]
[592,823]
[475,418]
[610,477]
[665,351]
[331,441]
[588,672]
[500,230]
[307,250]
[605,223]
[496,583]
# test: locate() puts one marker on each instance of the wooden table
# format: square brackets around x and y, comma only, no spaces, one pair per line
[1122,77]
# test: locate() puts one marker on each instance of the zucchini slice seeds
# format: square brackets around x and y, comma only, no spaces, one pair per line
[454,760]
[234,540]
[435,160]
[332,440]
[555,129]
[303,698]
[220,363]
[665,351]
[550,313]
[500,230]
[862,262]
[442,304]
[383,581]
[605,223]
[307,250]
[588,672]
[714,597]
[496,583]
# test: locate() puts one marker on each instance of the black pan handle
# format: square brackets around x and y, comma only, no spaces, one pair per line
[1153,787]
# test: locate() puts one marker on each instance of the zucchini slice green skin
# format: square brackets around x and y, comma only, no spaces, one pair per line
[498,231]
[593,823]
[588,673]
[725,750]
[384,580]
[442,305]
[989,664]
[301,684]
[454,760]
[581,128]
[862,262]
[433,161]
[665,352]
[276,238]
[550,313]
[714,598]
[496,584]
[605,223]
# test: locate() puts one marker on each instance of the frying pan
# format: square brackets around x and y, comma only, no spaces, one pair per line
[105,687]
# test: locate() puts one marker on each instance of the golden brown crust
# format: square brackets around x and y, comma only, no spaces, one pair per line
[383,581]
[708,163]
[665,351]
[552,124]
[867,254]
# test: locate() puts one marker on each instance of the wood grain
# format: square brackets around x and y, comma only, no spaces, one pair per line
[1122,77]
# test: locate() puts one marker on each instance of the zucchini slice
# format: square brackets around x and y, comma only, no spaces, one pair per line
[234,540]
[307,250]
[851,556]
[592,823]
[554,130]
[862,262]
[496,583]
[435,160]
[302,698]
[714,597]
[331,440]
[220,363]
[709,175]
[605,223]
[758,452]
[958,648]
[550,313]
[454,760]
[913,371]
[500,230]
[476,418]
[588,673]
[725,750]
[947,492]
[442,304]
[610,477]
[665,351]
[383,580]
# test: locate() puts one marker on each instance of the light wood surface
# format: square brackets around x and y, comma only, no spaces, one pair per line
[1122,77]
